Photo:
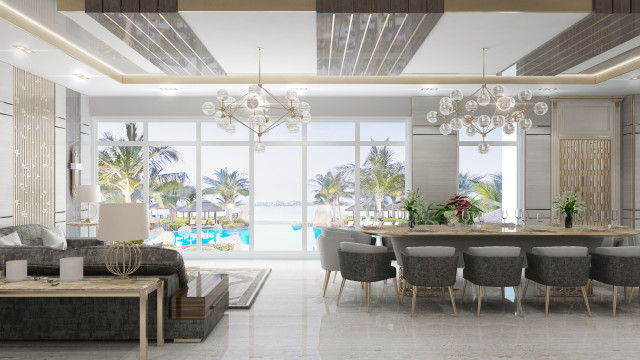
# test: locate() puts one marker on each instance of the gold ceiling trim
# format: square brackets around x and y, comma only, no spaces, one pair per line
[558,6]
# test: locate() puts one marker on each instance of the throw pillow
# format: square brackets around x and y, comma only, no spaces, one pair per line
[10,240]
[54,238]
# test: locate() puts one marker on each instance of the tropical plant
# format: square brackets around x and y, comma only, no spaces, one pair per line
[569,202]
[412,202]
[121,168]
[381,176]
[489,192]
[227,187]
[330,189]
[441,213]
[467,182]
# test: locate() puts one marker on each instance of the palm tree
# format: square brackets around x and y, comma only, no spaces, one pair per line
[227,187]
[381,175]
[121,168]
[330,189]
[489,190]
[467,183]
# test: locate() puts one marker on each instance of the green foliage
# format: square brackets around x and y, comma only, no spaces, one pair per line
[569,202]
[227,187]
[412,202]
[439,214]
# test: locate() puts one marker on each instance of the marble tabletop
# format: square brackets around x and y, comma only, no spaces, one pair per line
[498,230]
[88,284]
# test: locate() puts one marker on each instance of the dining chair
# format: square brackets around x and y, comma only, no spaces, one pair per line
[617,266]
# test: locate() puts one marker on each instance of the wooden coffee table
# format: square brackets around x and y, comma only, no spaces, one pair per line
[98,287]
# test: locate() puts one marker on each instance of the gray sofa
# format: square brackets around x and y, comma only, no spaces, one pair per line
[93,318]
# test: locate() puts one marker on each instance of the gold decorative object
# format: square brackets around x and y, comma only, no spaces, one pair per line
[75,167]
[250,110]
[123,258]
[504,116]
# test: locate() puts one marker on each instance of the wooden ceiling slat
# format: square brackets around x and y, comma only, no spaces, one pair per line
[93,5]
[435,6]
[417,6]
[621,6]
[167,6]
[399,6]
[635,6]
[342,6]
[130,6]
[361,6]
[111,6]
[603,6]
[148,6]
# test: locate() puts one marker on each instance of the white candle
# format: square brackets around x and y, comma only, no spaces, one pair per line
[16,270]
[71,269]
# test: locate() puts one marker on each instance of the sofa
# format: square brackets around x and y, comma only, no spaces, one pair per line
[94,318]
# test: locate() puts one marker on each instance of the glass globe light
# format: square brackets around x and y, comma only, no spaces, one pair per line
[498,91]
[456,124]
[484,99]
[293,128]
[254,89]
[265,105]
[456,95]
[471,106]
[508,128]
[525,95]
[525,124]
[306,117]
[446,109]
[223,95]
[231,101]
[540,108]
[470,131]
[497,120]
[484,120]
[467,120]
[252,102]
[259,148]
[217,116]
[446,100]
[484,148]
[503,104]
[230,129]
[260,120]
[304,106]
[445,129]
[291,120]
[223,122]
[295,104]
[208,108]
[432,116]
[291,95]
[512,101]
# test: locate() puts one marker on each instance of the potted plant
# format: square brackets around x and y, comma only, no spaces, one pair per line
[413,204]
[569,203]
[441,214]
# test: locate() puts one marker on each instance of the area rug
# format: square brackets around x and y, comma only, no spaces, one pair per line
[244,284]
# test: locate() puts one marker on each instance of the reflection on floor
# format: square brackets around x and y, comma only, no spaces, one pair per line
[291,320]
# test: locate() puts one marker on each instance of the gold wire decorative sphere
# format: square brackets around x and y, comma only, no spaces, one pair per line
[123,258]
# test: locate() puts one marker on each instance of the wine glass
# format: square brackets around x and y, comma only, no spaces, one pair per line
[466,217]
[481,218]
[595,217]
[540,217]
[604,215]
[518,216]
[614,216]
[505,215]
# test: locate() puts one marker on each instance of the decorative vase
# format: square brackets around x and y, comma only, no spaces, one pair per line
[412,221]
[568,221]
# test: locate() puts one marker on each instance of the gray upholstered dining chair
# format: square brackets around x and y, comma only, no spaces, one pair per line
[558,266]
[328,246]
[616,266]
[429,266]
[494,266]
[366,264]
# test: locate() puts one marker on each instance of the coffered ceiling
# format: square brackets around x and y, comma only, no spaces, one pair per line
[352,51]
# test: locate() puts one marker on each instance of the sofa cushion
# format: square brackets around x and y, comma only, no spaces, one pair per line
[10,240]
[30,235]
[357,236]
[431,251]
[626,251]
[54,238]
[362,248]
[561,251]
[494,251]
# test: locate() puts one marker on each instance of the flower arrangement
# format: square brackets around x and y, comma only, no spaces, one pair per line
[569,202]
[443,213]
[413,204]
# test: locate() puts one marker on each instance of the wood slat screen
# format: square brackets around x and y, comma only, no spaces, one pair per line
[585,165]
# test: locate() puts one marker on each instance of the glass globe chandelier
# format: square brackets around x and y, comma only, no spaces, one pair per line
[250,110]
[505,115]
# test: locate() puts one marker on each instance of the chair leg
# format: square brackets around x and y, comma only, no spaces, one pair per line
[518,300]
[395,286]
[464,287]
[526,285]
[443,299]
[368,286]
[334,276]
[586,300]
[631,295]
[546,300]
[626,293]
[480,289]
[413,300]
[340,293]
[502,292]
[326,282]
[403,286]
[615,299]
[453,301]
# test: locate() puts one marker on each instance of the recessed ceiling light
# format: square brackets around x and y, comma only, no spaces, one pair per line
[636,77]
[168,89]
[24,49]
[429,89]
[81,76]
[548,89]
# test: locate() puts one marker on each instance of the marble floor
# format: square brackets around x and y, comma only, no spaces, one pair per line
[291,320]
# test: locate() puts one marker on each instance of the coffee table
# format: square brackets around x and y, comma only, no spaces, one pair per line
[98,287]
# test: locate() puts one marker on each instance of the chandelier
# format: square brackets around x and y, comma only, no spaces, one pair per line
[505,115]
[250,110]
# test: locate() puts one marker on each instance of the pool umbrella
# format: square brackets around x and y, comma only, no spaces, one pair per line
[207,207]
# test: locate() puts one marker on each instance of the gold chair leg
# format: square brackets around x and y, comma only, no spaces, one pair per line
[524,291]
[615,299]
[362,285]
[518,300]
[453,301]
[631,295]
[413,300]
[340,293]
[395,286]
[326,282]
[403,287]
[334,276]
[586,300]
[443,298]
[464,288]
[480,289]
[502,292]
[368,286]
[546,300]
[626,291]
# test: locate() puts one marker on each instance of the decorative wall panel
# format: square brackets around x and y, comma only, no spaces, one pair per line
[630,119]
[73,139]
[33,149]
[585,165]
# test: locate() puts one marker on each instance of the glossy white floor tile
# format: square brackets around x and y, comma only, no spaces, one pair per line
[291,320]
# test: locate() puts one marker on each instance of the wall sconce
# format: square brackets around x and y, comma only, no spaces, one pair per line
[75,167]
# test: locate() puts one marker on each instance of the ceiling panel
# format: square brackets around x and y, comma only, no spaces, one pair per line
[453,46]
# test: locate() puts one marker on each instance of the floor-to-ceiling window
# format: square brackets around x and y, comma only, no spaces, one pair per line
[208,191]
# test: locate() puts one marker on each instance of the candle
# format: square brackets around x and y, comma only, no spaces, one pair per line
[71,269]
[16,270]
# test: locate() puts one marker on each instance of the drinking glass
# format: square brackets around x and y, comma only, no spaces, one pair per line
[604,215]
[614,216]
[505,215]
[481,218]
[595,217]
[466,217]
[540,217]
[518,216]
